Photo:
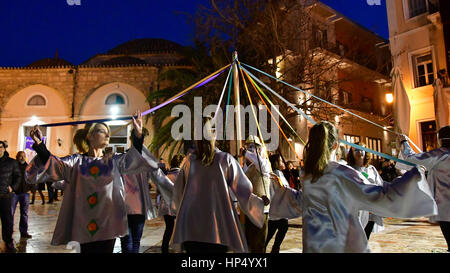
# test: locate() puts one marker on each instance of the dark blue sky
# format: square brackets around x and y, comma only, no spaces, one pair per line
[35,29]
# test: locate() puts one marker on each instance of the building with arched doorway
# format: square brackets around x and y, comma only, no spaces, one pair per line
[113,84]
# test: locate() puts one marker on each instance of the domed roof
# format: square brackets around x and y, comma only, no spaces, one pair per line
[50,62]
[146,45]
[123,60]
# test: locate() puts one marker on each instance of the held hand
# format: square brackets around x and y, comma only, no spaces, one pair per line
[242,151]
[400,139]
[421,168]
[36,134]
[137,123]
[277,180]
[273,176]
[266,200]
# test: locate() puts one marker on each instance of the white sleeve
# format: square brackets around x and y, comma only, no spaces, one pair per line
[427,159]
[257,160]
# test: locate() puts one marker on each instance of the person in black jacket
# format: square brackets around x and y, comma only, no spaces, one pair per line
[10,177]
[22,197]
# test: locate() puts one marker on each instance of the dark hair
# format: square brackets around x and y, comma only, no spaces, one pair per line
[176,160]
[444,132]
[19,152]
[274,161]
[4,144]
[322,137]
[351,159]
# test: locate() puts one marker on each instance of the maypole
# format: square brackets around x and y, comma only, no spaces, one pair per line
[237,104]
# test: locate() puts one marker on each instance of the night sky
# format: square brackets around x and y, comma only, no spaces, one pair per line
[35,29]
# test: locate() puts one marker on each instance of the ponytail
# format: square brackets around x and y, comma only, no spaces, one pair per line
[322,137]
[205,147]
[80,138]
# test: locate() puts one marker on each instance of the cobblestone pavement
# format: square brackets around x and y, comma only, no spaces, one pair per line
[400,235]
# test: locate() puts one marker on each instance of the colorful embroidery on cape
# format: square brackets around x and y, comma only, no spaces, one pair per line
[365,174]
[94,171]
[93,200]
[92,227]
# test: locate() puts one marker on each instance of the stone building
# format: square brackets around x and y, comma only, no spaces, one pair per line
[360,81]
[113,84]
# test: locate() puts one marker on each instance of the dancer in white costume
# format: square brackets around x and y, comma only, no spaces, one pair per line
[334,193]
[360,161]
[437,163]
[257,169]
[93,211]
[207,221]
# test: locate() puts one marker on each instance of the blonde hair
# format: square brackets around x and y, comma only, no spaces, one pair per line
[80,139]
[322,137]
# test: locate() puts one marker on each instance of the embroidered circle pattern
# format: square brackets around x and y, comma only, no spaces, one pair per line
[93,200]
[94,171]
[92,227]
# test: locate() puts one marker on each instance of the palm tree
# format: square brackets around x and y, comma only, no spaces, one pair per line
[176,80]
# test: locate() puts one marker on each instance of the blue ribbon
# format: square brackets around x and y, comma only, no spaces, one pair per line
[356,146]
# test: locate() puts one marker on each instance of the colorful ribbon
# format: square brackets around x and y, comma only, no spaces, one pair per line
[279,127]
[342,141]
[332,104]
[182,93]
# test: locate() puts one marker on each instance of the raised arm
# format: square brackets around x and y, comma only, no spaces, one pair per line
[46,167]
[427,159]
[285,202]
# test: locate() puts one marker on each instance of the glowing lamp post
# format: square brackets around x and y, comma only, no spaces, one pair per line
[389,98]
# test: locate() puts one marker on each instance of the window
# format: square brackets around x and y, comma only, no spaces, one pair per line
[115,99]
[429,136]
[367,104]
[374,144]
[320,36]
[345,97]
[351,139]
[423,69]
[118,141]
[36,100]
[417,7]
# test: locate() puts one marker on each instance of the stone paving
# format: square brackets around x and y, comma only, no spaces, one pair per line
[400,235]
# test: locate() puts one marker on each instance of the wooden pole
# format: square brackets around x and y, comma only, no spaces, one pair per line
[237,111]
[237,104]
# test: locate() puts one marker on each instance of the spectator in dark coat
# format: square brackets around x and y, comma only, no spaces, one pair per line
[10,177]
[22,197]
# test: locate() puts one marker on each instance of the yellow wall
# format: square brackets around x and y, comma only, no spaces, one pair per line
[408,37]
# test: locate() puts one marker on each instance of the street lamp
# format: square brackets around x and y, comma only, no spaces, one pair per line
[114,111]
[389,98]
